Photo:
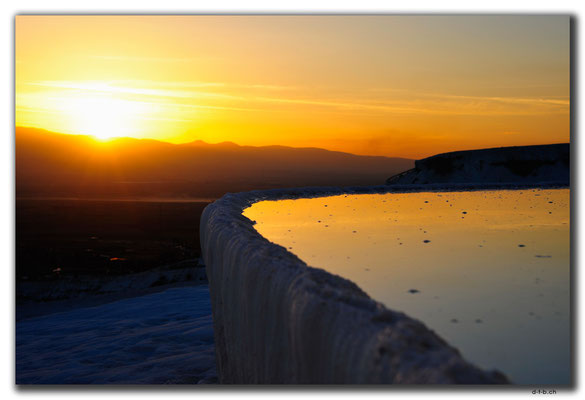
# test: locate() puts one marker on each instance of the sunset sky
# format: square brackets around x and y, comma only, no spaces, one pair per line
[408,86]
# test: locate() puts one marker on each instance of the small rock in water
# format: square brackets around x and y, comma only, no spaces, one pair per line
[521,245]
[414,291]
[478,321]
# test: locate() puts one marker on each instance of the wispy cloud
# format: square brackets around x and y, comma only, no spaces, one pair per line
[256,97]
[442,105]
[27,109]
[516,100]
[198,84]
[161,89]
[149,59]
[556,100]
[166,84]
[107,87]
[348,105]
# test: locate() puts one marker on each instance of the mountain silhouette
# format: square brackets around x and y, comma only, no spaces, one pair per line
[51,164]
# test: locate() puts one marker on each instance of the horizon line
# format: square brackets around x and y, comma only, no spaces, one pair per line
[228,142]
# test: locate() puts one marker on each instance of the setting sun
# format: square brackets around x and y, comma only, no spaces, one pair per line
[105,117]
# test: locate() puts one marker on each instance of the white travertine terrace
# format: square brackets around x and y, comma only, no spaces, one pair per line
[280,321]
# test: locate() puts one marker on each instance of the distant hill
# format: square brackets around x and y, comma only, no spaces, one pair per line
[58,165]
[519,164]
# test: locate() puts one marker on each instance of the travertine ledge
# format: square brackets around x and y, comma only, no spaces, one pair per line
[278,321]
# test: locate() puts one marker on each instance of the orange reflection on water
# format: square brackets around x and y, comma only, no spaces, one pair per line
[487,270]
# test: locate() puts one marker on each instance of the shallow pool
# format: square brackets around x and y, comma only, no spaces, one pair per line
[487,270]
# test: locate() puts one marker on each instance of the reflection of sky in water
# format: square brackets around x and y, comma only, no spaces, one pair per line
[487,270]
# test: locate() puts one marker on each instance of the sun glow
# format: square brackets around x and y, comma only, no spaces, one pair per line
[102,116]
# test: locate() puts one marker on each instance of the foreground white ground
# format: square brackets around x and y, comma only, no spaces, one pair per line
[159,338]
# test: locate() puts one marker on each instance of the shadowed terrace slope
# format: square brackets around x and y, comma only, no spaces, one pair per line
[526,164]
